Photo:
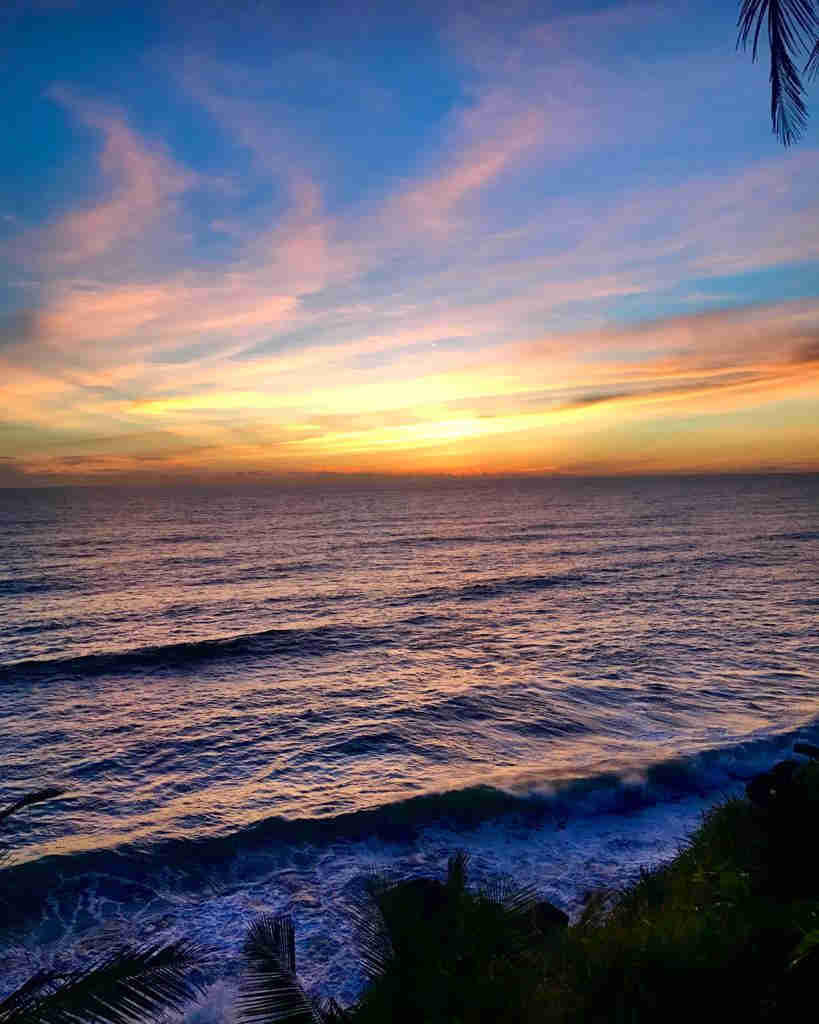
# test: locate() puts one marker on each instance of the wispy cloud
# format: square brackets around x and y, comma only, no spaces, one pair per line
[487,140]
[140,186]
[506,290]
[520,400]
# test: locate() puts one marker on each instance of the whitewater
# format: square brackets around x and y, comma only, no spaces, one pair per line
[255,697]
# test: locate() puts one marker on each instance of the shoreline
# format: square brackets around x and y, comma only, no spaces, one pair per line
[221,890]
[743,867]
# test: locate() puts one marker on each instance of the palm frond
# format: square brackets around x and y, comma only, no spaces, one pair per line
[17,1002]
[792,28]
[129,987]
[269,990]
[457,870]
[789,115]
[812,67]
[513,898]
[332,1013]
[376,953]
[35,797]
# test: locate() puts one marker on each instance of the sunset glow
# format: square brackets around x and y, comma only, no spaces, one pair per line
[464,245]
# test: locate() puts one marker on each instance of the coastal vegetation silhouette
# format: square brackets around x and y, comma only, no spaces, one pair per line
[793,34]
[128,985]
[728,930]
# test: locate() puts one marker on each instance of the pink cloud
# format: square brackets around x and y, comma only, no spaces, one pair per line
[142,181]
[739,353]
[762,215]
[83,314]
[154,316]
[303,252]
[651,239]
[488,140]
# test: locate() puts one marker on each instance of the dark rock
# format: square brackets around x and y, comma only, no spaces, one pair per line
[547,917]
[808,749]
[773,787]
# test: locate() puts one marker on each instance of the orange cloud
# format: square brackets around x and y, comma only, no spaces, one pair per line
[657,396]
[408,330]
[156,316]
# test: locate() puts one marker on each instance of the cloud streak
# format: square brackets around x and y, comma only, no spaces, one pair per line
[517,289]
[141,184]
[550,394]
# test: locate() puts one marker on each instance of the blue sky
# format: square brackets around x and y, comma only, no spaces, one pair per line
[355,237]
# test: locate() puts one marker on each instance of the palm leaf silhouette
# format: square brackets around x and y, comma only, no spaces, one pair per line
[792,27]
[812,67]
[128,987]
[14,1005]
[376,953]
[270,990]
[35,797]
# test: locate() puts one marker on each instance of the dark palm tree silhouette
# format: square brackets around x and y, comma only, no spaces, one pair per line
[140,985]
[793,33]
[430,951]
[128,986]
[270,990]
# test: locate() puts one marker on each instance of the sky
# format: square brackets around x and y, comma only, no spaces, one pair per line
[378,238]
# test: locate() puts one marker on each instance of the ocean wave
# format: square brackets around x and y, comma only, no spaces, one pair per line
[295,642]
[524,801]
[433,540]
[316,641]
[19,586]
[797,535]
[497,587]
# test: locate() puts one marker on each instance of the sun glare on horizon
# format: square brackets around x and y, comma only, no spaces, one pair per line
[461,243]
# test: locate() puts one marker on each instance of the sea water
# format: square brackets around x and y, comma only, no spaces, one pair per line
[255,697]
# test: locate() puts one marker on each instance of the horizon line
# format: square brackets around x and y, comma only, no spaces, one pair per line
[335,477]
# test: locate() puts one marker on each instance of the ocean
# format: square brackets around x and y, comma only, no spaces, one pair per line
[257,697]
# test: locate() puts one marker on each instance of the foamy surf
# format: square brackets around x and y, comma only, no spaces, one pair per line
[562,837]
